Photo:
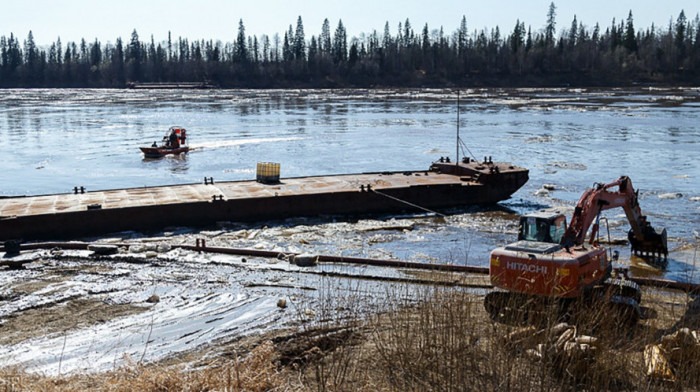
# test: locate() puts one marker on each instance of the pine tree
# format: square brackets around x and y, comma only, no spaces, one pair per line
[241,46]
[462,34]
[551,25]
[275,56]
[407,34]
[266,48]
[95,53]
[615,39]
[528,41]
[313,50]
[134,56]
[299,42]
[59,50]
[518,37]
[340,43]
[324,44]
[630,39]
[573,33]
[30,52]
[399,38]
[696,41]
[256,50]
[679,37]
[31,60]
[595,37]
[425,40]
[354,55]
[118,64]
[287,54]
[170,46]
[386,39]
[83,51]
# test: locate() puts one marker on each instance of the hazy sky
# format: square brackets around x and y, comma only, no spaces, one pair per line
[218,19]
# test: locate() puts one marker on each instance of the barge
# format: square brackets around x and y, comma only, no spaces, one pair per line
[82,213]
[170,86]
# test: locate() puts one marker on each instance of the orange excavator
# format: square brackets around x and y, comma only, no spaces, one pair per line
[551,260]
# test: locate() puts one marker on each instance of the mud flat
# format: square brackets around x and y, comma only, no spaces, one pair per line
[77,311]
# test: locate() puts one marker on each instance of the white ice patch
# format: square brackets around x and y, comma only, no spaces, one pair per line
[670,196]
[183,320]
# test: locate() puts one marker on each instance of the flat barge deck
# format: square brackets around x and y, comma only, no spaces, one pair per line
[70,215]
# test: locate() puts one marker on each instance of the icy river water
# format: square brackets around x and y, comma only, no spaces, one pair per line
[53,140]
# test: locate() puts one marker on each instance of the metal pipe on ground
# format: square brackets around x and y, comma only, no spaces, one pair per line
[201,246]
[344,259]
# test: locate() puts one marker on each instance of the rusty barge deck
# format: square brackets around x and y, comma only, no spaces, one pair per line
[445,185]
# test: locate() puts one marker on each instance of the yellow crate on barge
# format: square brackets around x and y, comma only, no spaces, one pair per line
[268,173]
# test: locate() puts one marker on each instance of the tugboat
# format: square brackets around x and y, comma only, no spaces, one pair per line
[174,142]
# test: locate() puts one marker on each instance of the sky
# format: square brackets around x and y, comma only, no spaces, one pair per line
[218,19]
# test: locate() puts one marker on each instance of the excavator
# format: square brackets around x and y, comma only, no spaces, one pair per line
[553,261]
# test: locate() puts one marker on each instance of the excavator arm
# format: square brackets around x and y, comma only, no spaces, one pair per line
[642,236]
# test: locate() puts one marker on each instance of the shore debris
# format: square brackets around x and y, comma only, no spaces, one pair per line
[153,299]
[675,350]
[103,249]
[562,342]
[12,248]
[397,226]
[151,249]
[305,260]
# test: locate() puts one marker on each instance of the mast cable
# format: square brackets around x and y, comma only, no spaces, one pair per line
[408,203]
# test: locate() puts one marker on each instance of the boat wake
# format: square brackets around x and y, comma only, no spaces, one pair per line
[238,142]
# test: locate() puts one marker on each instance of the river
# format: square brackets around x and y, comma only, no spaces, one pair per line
[53,140]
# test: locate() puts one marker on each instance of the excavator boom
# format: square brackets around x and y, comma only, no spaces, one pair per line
[643,237]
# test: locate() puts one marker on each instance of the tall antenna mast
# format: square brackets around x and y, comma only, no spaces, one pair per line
[457,155]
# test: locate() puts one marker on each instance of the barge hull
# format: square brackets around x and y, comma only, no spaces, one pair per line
[96,213]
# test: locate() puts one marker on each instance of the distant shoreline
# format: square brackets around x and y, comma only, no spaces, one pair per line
[601,56]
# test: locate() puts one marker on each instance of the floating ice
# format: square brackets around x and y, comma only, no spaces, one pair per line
[669,196]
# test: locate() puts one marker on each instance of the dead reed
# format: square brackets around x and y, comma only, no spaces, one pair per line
[426,339]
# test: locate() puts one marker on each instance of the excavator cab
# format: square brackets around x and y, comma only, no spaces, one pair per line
[542,226]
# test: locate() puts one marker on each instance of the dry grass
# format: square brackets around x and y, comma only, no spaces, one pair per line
[256,373]
[448,343]
[428,339]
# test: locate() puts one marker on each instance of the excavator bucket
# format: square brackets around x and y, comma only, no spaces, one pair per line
[652,244]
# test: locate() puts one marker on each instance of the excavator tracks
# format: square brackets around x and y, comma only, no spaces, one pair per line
[518,308]
[621,297]
[615,299]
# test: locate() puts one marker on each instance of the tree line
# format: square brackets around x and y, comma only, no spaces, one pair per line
[618,54]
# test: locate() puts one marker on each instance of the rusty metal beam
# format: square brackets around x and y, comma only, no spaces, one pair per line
[200,246]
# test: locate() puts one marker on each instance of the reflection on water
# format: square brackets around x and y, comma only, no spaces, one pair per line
[173,162]
[53,140]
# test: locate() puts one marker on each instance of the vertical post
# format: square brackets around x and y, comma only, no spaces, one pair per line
[457,147]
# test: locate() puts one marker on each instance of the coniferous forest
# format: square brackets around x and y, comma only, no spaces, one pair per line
[395,56]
